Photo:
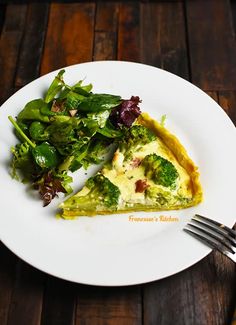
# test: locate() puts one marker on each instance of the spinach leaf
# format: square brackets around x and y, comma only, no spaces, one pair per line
[38,131]
[99,102]
[32,111]
[24,128]
[100,117]
[61,118]
[62,132]
[97,148]
[78,158]
[110,131]
[55,87]
[45,155]
[90,127]
[82,90]
[72,100]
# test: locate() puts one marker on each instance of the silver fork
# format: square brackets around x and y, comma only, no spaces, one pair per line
[214,234]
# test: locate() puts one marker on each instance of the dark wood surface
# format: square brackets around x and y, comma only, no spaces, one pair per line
[193,39]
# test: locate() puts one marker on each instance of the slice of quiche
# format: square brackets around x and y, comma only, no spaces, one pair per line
[150,171]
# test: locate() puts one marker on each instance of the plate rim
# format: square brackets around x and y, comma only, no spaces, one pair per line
[27,260]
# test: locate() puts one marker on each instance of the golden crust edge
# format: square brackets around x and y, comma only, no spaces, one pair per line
[180,153]
[71,214]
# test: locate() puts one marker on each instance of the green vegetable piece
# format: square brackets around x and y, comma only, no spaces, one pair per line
[90,153]
[139,135]
[99,102]
[61,118]
[72,100]
[79,155]
[160,170]
[100,117]
[65,165]
[37,131]
[82,90]
[23,127]
[22,161]
[62,132]
[136,137]
[32,111]
[45,155]
[158,196]
[103,194]
[97,148]
[90,127]
[46,110]
[20,132]
[163,120]
[55,87]
[65,181]
[64,92]
[110,131]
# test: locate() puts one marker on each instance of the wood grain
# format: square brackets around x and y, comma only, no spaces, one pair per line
[212,44]
[7,274]
[70,33]
[107,16]
[227,100]
[10,42]
[109,306]
[104,46]
[190,296]
[32,43]
[233,12]
[128,32]
[59,302]
[213,95]
[105,39]
[2,15]
[163,37]
[27,296]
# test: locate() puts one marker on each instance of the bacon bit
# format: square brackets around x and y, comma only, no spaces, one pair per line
[73,112]
[57,106]
[141,185]
[135,162]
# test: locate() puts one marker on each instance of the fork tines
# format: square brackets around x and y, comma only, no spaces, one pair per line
[213,233]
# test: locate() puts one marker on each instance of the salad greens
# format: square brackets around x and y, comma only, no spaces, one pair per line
[71,127]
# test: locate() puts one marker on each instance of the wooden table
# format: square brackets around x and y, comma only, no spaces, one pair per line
[193,39]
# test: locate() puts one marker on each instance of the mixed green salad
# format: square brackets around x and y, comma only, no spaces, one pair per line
[71,127]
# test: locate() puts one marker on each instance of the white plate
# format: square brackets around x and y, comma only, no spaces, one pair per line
[111,250]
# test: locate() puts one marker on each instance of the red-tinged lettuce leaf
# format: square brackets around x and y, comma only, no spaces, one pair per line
[49,186]
[126,113]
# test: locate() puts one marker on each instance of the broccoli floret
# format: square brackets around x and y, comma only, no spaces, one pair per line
[102,194]
[136,136]
[160,170]
[165,198]
[157,195]
[139,135]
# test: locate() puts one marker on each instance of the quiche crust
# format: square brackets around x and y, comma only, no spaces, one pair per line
[173,143]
